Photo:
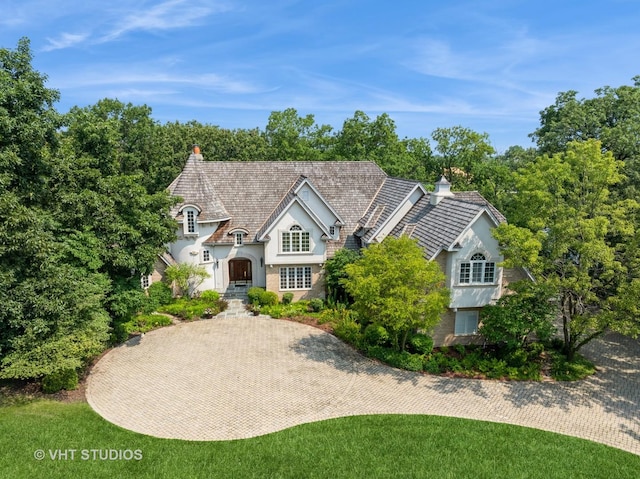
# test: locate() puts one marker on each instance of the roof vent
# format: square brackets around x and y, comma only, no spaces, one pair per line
[443,190]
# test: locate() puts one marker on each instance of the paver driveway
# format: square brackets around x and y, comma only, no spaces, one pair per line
[239,377]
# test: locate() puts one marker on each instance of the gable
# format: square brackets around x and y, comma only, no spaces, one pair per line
[255,193]
[441,227]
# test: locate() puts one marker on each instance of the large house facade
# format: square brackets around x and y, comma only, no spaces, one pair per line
[274,224]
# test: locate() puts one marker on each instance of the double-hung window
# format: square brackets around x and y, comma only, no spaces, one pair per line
[295,277]
[477,271]
[295,240]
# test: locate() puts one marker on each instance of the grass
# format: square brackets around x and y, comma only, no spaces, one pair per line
[364,446]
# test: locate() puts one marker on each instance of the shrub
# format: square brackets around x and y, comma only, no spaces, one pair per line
[348,330]
[316,305]
[375,335]
[210,296]
[63,379]
[221,305]
[421,343]
[253,294]
[160,293]
[268,298]
[564,370]
[287,298]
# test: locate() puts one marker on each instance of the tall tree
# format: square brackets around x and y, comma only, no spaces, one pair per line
[573,238]
[612,116]
[293,137]
[461,154]
[362,138]
[51,291]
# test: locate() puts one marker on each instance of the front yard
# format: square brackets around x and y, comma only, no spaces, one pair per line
[36,440]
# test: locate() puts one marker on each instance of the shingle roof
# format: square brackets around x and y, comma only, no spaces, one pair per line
[197,188]
[252,191]
[438,226]
[388,198]
[250,195]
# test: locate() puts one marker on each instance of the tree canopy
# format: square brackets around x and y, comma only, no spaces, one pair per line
[572,237]
[76,220]
[394,286]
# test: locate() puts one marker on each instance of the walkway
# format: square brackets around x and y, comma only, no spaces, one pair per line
[238,376]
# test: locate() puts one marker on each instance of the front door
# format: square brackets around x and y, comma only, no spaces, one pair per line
[239,270]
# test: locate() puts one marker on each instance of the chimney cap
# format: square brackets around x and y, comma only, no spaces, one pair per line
[196,149]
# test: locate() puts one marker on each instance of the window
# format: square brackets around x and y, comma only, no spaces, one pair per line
[238,239]
[332,231]
[206,256]
[295,240]
[145,281]
[295,277]
[191,221]
[477,270]
[466,323]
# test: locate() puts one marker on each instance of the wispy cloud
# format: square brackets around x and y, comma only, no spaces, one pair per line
[65,40]
[123,76]
[168,15]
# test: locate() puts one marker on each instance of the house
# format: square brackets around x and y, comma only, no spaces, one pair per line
[274,224]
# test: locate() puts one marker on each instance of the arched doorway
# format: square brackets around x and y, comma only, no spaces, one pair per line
[240,271]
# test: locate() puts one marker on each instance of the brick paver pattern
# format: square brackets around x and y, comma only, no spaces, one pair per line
[237,376]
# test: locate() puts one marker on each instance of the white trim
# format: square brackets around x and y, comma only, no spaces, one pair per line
[190,205]
[397,210]
[452,246]
[312,215]
[326,203]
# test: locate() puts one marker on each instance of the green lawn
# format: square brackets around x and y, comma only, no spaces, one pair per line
[365,446]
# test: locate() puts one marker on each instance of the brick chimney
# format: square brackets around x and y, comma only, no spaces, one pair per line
[195,153]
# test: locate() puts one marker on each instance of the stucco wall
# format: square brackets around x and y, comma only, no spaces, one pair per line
[477,239]
[295,216]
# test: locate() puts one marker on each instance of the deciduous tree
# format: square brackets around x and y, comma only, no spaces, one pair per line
[573,238]
[394,286]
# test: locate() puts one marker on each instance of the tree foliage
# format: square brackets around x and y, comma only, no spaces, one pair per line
[572,237]
[394,286]
[516,317]
[461,154]
[186,276]
[612,117]
[76,220]
[335,273]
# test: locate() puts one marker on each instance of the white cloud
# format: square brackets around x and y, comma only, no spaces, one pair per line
[65,40]
[167,15]
[123,76]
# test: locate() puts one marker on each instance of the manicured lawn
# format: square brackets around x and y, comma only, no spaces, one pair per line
[365,446]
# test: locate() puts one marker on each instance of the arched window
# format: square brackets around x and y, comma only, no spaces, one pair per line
[477,270]
[295,240]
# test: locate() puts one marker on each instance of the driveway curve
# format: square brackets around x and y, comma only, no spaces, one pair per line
[241,377]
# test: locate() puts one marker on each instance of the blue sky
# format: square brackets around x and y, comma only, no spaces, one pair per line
[489,66]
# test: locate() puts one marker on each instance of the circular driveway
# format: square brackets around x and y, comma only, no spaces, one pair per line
[240,377]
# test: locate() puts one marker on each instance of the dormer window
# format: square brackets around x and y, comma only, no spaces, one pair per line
[238,238]
[477,271]
[295,240]
[191,221]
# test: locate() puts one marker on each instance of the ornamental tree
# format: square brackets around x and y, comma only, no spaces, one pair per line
[394,286]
